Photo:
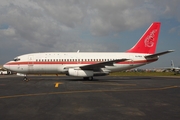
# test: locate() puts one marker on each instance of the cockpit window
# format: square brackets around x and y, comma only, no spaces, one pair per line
[16,59]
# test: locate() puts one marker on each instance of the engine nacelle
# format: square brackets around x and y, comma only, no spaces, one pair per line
[80,73]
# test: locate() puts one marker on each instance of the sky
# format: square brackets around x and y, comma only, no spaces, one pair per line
[28,26]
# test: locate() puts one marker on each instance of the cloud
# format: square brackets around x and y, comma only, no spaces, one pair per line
[8,32]
[66,12]
[175,30]
[118,15]
[58,25]
[167,9]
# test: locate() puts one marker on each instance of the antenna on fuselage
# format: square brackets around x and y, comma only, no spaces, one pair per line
[78,51]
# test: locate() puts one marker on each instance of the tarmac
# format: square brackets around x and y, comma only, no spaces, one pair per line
[104,98]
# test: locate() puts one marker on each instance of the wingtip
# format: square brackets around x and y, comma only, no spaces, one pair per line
[171,50]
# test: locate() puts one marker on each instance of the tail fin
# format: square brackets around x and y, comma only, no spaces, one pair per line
[147,43]
[172,64]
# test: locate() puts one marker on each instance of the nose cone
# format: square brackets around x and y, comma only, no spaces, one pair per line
[6,66]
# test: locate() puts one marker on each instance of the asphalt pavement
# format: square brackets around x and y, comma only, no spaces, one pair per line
[104,98]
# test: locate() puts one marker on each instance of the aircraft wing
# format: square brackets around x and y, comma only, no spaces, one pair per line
[158,54]
[99,65]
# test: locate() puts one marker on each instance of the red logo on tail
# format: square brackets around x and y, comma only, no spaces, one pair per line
[149,41]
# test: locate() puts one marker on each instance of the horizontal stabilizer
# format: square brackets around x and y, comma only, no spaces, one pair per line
[158,54]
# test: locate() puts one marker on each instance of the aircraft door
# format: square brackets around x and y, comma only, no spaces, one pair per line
[30,63]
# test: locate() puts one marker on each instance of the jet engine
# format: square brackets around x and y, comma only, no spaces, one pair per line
[80,73]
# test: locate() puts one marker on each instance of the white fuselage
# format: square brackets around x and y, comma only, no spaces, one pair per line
[58,62]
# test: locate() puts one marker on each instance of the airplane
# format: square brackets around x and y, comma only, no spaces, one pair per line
[89,64]
[176,70]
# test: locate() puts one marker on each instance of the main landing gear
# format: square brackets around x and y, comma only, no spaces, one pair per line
[88,78]
[25,79]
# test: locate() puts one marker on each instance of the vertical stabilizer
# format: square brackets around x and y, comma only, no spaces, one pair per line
[147,43]
[172,64]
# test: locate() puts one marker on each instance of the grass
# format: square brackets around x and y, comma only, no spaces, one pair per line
[143,74]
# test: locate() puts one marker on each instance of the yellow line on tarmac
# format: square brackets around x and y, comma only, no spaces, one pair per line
[57,84]
[88,91]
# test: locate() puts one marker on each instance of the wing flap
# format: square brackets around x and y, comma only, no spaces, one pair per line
[97,66]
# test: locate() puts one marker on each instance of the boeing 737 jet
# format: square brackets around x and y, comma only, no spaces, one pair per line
[90,64]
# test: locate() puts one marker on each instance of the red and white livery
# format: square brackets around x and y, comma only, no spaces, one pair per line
[89,64]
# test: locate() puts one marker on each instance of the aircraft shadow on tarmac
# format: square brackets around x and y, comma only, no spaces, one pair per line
[99,79]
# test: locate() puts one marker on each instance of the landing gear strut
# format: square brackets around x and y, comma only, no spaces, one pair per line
[25,78]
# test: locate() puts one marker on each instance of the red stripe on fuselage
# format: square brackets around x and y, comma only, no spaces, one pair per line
[70,62]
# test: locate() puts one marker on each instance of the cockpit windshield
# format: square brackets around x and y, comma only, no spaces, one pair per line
[16,59]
